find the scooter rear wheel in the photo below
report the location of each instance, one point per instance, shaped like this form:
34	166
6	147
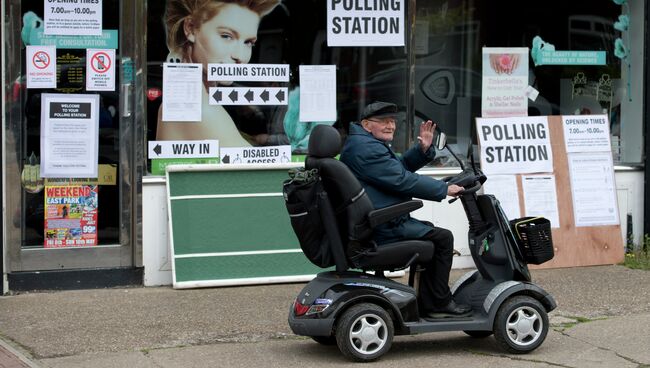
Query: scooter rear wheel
521	324
364	332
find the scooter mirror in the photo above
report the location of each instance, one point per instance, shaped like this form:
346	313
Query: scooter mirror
441	140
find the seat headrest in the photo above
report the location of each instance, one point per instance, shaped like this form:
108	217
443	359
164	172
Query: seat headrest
324	141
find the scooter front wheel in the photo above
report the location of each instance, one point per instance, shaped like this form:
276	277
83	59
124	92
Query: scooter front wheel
521	324
364	332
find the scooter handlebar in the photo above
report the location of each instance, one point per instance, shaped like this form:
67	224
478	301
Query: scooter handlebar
471	190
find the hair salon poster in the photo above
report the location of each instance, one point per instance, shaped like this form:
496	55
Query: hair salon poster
70	216
505	82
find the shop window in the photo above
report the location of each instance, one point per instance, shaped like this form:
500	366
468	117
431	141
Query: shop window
293	33
449	37
445	55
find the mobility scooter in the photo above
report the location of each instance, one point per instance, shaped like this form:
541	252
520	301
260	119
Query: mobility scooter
360	310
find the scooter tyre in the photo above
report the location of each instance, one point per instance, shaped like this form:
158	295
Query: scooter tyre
512	322
364	332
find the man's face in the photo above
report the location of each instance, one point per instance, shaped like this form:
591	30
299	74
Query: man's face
380	128
228	37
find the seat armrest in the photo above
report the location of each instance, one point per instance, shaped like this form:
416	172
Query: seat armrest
382	215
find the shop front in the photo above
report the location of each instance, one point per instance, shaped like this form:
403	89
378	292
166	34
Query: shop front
95	110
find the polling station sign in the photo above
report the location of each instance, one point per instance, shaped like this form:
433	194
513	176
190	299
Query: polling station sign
365	22
517	145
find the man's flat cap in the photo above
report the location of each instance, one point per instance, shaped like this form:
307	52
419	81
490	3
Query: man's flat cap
379	109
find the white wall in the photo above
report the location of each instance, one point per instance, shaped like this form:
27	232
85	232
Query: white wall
156	253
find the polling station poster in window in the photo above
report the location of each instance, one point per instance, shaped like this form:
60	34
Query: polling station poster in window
365	23
70	216
515	145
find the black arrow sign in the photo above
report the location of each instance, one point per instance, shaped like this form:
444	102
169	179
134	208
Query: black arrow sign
264	96
157	149
233	96
217	96
249	95
280	95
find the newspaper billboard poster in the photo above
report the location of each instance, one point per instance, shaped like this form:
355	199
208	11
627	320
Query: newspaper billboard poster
70	216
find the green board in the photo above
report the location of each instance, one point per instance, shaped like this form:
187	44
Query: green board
229	226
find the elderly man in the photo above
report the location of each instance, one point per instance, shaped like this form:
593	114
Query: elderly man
390	179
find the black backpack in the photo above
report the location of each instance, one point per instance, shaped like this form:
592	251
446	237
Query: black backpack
305	199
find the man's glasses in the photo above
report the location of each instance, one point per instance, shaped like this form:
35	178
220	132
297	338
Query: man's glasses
384	121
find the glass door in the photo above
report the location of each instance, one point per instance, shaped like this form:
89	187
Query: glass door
58	122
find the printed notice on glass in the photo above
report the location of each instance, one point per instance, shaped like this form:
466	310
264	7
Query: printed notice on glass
504	188
317	93
41	66
586	133
365	23
540	198
69	135
182	85
505	80
76	18
515	145
593	188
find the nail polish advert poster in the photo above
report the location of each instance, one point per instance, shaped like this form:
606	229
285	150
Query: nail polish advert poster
505	78
70	216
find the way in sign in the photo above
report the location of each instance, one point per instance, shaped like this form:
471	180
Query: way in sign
248	95
188	148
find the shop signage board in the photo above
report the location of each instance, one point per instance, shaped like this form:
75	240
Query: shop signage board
365	23
228	225
69	135
107	40
73	17
505	82
107	176
41	66
184	149
100	70
70	216
553	57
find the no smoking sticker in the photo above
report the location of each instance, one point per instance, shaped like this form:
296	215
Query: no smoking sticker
41	60
41	67
100	70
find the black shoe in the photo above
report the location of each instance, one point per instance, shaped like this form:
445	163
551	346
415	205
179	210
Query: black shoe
451	310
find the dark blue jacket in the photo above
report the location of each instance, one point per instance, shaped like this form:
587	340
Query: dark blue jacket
389	179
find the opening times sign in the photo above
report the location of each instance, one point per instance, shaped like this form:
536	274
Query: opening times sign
73	17
70	216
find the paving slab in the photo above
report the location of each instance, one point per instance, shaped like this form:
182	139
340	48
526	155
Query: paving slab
601	321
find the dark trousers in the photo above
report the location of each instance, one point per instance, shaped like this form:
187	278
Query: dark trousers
434	280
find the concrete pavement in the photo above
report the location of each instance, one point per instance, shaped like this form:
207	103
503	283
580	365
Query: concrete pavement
602	320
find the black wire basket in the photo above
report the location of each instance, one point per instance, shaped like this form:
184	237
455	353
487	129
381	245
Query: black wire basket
534	238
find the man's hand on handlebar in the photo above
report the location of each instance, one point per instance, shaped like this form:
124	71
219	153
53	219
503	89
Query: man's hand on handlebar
454	190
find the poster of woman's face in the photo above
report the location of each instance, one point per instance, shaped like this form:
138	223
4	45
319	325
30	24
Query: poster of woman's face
213	32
